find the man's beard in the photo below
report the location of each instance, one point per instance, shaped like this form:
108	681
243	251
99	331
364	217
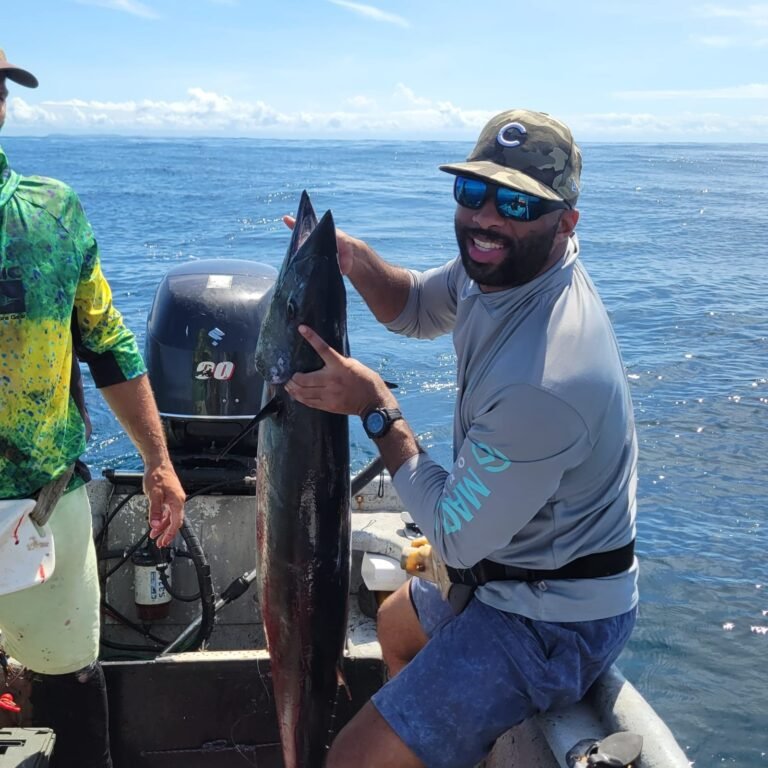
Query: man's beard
524	258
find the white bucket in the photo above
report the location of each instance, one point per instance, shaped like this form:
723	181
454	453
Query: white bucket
27	553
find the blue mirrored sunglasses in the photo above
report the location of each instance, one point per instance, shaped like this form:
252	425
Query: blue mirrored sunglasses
511	204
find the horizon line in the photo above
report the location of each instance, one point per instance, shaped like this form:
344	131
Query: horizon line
367	139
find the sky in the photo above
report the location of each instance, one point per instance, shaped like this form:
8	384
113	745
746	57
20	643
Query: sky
614	70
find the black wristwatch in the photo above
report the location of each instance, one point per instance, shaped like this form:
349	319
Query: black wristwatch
377	422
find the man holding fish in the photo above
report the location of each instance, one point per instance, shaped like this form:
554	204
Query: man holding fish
536	518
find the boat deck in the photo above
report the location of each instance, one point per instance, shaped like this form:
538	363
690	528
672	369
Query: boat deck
214	709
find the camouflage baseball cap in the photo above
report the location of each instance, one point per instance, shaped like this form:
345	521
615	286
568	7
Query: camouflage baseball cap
528	151
18	75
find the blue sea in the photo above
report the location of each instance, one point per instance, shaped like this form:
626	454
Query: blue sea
674	238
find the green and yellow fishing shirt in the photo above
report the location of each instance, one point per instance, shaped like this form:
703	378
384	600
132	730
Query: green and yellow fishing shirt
55	310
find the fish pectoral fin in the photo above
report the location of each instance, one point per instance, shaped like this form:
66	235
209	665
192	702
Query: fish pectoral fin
272	408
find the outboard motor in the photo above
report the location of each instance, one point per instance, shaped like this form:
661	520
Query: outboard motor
200	351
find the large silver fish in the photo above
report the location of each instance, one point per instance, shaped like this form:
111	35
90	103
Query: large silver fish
302	496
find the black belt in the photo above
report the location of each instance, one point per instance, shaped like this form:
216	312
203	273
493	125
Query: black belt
587	567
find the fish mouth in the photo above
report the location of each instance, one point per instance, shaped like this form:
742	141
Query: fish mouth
277	373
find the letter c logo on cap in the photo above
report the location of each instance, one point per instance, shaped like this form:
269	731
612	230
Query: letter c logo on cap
511	135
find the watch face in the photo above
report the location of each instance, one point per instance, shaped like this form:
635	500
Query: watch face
375	422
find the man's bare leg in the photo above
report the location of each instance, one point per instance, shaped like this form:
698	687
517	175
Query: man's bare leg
400	633
367	741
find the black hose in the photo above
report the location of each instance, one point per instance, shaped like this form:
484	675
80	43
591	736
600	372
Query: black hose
241	584
202	568
127	556
206	593
161	566
237	588
162	569
149	651
111	516
205	583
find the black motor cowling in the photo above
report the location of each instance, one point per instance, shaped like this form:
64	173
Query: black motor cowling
200	351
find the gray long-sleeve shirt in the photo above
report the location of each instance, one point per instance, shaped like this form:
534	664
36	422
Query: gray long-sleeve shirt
545	452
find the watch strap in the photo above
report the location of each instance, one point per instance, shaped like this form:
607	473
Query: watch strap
389	415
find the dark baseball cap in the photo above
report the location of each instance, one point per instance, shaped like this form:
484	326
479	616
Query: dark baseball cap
528	151
18	75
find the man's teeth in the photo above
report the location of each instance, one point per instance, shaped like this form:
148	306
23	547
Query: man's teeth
487	245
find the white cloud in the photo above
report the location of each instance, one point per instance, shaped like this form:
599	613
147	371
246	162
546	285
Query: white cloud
403	115
434	115
753	91
437	113
209	113
752	15
26	114
407	95
371	12
201	112
132	7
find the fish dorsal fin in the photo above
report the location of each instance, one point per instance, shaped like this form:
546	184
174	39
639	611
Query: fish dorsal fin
306	221
272	408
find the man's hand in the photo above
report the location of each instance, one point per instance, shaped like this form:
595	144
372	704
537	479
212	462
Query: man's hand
342	385
166	502
345	246
384	287
420	558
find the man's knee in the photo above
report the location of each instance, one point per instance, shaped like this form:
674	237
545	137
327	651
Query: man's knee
387	617
399	631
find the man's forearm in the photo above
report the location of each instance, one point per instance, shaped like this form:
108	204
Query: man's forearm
397	446
133	403
384	287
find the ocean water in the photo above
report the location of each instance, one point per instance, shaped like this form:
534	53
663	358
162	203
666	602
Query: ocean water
674	238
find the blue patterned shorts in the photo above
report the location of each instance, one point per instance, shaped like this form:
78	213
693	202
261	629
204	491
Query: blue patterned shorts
486	670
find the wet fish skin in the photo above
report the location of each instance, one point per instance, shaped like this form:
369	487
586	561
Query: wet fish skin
302	496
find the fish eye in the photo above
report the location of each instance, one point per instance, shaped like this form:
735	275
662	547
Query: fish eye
291	309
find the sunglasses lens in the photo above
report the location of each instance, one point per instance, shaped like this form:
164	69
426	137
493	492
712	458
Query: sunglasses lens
510	203
516	205
470	192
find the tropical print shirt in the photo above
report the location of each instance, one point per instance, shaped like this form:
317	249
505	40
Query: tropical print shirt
55	310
